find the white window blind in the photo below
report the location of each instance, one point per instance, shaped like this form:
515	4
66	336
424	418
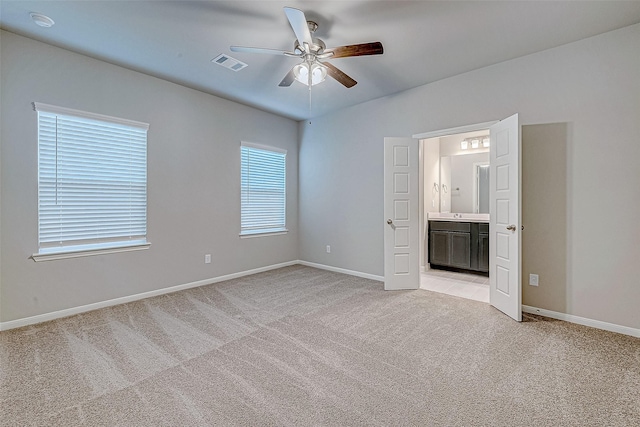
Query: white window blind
263	189
92	180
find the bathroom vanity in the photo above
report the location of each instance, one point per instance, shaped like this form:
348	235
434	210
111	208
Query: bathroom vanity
459	242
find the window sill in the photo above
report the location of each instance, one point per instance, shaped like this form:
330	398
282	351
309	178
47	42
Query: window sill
88	250
251	234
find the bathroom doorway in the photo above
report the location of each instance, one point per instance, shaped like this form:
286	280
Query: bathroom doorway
505	219
455	176
504	227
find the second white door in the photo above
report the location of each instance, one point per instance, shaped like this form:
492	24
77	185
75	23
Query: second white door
401	214
505	218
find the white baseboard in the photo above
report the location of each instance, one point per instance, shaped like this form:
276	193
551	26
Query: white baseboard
342	270
26	321
612	327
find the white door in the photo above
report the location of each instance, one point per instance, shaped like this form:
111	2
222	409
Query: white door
401	214
505	218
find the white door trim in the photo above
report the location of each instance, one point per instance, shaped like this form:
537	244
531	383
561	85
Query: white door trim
453	131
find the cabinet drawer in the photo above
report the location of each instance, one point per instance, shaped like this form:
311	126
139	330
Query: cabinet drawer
450	226
483	227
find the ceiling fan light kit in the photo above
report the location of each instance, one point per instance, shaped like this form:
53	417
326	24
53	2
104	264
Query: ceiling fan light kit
318	73
313	52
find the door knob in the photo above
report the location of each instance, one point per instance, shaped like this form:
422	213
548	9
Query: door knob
511	227
389	222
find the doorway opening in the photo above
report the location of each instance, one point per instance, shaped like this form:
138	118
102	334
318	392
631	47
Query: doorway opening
404	213
455	178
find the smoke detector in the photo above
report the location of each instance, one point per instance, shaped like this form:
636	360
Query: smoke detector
42	20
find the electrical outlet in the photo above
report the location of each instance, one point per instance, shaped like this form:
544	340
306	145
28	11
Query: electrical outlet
533	279
207	259
328	249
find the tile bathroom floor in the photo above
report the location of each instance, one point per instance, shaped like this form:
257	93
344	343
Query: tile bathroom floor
470	286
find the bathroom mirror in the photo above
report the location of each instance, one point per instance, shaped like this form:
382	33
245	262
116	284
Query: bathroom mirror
456	173
464	183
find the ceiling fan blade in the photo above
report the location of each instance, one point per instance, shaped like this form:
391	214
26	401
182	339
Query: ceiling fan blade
299	25
339	75
373	48
288	79
260	50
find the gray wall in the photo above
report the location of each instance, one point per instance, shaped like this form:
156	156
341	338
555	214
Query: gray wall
590	86
545	147
193	181
590	89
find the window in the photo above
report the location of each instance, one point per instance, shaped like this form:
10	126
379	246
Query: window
92	183
263	189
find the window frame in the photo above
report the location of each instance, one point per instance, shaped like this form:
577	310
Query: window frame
271	231
94	246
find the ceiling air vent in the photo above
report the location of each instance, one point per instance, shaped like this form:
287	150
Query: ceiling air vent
229	62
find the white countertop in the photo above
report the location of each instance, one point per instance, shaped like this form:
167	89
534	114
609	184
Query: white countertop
458	217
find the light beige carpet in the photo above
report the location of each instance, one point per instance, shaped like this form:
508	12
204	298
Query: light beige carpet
301	347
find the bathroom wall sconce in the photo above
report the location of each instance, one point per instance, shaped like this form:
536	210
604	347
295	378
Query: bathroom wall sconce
475	142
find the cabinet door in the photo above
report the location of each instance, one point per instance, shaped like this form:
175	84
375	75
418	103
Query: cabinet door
440	248
460	250
483	252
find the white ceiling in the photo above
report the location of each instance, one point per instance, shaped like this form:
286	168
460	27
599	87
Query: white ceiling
424	41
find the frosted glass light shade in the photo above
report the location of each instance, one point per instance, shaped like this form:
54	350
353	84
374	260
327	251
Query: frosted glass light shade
318	73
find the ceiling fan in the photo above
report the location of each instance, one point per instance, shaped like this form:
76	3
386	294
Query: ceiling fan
313	69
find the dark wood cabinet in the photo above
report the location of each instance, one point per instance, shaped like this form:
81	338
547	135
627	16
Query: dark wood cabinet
459	245
483	252
460	250
440	247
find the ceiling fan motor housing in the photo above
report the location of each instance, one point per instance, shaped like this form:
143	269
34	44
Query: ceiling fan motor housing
312	26
316	48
